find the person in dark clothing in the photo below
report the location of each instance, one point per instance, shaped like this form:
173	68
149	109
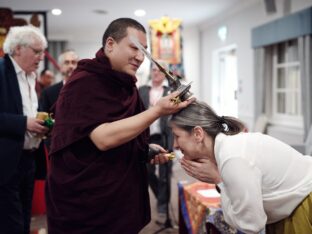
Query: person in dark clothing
20	131
160	133
45	80
98	180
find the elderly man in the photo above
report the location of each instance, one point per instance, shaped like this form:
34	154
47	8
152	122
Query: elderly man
68	62
19	129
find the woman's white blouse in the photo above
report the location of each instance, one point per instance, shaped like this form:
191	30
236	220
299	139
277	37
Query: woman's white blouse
264	179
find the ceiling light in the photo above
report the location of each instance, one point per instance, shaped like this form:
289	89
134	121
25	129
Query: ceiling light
100	12
56	11
139	12
222	33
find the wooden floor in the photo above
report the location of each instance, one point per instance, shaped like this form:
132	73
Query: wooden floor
39	225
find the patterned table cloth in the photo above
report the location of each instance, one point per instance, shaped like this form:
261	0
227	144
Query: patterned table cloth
197	200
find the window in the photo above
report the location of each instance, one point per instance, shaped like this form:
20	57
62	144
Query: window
286	108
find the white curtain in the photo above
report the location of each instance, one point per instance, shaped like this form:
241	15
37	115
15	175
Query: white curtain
305	49
263	62
55	48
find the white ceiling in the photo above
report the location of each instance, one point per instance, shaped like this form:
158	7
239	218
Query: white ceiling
78	20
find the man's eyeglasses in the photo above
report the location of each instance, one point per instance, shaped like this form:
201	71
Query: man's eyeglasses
36	51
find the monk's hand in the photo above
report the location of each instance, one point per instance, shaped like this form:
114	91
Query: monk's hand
202	169
167	106
161	157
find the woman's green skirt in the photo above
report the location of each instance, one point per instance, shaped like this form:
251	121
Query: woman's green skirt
299	222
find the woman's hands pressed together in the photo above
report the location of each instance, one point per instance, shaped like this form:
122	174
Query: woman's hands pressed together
202	169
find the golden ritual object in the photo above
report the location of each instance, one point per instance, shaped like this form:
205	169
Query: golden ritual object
171	156
183	95
176	100
47	118
42	115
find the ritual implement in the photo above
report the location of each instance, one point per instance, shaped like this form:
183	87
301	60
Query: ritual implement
173	81
152	152
47	118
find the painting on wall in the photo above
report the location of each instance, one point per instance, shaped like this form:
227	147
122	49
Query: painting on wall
9	18
166	43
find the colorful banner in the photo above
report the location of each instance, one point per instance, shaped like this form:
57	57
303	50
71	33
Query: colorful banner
166	43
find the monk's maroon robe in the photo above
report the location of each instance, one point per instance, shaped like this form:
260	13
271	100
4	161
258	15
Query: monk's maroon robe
88	190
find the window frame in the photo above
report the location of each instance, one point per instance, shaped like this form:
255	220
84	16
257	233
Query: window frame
277	118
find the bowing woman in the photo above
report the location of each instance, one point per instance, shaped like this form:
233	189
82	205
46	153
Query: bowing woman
264	183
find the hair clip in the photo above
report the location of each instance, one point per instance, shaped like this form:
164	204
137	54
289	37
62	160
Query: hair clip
225	127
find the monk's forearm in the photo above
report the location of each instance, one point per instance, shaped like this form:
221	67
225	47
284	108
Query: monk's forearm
110	135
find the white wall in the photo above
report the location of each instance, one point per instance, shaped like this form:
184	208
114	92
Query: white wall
191	56
85	49
239	23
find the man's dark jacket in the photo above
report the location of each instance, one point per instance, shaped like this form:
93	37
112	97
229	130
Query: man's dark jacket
166	133
49	96
12	120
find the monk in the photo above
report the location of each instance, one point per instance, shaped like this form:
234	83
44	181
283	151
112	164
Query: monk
98	180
